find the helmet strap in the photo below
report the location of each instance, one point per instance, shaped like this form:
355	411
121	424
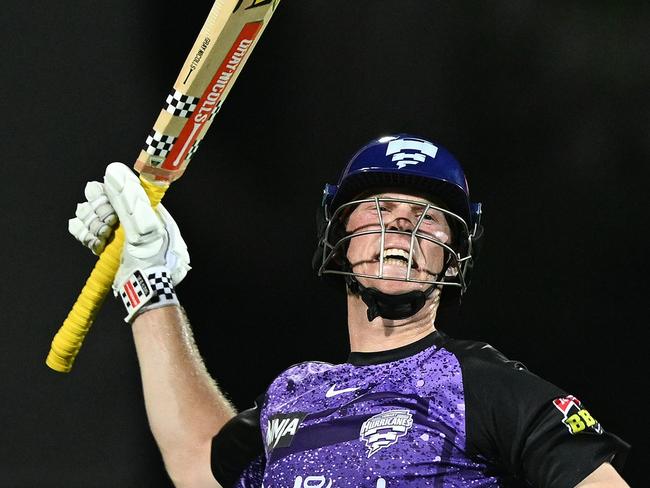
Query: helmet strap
392	307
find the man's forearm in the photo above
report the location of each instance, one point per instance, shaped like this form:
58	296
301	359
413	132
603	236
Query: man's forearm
184	405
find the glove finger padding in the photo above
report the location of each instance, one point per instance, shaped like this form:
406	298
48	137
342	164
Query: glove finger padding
92	221
98	200
95	219
80	231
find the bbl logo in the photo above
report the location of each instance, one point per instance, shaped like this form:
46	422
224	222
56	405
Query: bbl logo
576	418
385	429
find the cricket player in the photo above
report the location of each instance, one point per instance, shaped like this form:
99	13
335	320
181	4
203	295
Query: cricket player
411	407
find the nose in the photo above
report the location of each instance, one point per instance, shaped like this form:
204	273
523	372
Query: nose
402	218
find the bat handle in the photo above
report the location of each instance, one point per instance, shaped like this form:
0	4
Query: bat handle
71	334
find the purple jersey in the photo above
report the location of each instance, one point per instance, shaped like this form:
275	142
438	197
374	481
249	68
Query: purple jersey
439	412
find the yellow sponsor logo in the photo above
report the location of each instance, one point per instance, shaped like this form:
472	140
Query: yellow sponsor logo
579	421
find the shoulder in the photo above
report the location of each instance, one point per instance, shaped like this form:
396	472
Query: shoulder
484	367
478	354
491	380
305	369
297	379
301	372
239	443
523	423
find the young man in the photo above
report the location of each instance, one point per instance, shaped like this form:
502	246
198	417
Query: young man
411	407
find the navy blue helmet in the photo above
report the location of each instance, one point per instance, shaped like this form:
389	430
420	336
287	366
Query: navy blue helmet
411	164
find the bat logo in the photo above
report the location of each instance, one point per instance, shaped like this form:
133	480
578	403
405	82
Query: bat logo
209	102
197	57
255	3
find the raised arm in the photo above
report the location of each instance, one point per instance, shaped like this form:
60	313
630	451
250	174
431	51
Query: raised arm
184	405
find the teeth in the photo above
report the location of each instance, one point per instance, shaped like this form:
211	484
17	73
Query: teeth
396	257
389	253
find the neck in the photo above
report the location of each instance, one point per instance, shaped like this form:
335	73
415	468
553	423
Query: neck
383	334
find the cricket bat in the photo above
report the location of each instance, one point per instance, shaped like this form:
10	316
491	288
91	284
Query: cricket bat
218	55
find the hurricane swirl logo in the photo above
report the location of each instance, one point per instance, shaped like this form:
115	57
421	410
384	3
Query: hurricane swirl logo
385	429
409	151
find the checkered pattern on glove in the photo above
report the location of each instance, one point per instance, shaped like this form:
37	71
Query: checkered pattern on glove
146	290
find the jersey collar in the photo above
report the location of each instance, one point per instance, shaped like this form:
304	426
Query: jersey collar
379	357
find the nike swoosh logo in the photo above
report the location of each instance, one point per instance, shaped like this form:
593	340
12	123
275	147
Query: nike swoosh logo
333	391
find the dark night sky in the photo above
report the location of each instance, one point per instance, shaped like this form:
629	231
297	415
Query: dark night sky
547	106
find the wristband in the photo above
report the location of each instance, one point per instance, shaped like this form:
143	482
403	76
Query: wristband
145	290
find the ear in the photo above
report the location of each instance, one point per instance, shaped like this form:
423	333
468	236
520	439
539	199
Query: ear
451	271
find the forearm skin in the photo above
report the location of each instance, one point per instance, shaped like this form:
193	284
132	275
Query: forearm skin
184	405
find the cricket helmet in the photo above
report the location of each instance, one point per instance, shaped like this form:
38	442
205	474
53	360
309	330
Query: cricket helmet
414	165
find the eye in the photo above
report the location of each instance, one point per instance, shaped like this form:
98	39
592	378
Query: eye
373	208
429	217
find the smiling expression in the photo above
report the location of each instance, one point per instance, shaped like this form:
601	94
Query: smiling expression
367	256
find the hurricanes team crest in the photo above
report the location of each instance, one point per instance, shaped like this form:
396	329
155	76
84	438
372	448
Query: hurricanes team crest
410	151
385	429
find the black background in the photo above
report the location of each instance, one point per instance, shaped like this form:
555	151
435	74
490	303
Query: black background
545	103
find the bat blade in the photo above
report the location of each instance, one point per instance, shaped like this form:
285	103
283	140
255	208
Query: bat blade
224	44
215	61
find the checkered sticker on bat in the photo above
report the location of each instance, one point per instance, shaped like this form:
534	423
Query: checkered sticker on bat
180	105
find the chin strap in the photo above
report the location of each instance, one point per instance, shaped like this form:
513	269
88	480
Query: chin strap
393	307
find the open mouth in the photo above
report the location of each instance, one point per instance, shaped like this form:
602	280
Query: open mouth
398	257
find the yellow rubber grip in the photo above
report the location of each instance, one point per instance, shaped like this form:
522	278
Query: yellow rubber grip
71	334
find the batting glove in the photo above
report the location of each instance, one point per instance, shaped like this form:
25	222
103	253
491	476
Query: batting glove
95	219
155	257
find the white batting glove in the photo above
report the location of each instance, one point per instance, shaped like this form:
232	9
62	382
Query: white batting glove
95	219
155	257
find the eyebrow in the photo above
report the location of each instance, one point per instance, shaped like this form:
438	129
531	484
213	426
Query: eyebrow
415	204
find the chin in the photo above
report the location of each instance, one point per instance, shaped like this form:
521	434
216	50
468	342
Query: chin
391	287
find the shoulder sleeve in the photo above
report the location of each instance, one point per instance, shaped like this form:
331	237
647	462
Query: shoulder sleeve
237	455
526	426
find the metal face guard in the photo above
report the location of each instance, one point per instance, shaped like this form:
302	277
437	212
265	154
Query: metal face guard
336	240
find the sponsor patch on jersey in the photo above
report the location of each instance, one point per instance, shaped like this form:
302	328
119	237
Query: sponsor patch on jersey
575	417
385	429
312	482
281	429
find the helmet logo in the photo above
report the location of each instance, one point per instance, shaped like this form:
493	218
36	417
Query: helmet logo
418	150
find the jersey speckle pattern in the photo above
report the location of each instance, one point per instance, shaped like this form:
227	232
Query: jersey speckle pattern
399	423
438	412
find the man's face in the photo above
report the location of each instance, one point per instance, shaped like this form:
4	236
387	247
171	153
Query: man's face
365	252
